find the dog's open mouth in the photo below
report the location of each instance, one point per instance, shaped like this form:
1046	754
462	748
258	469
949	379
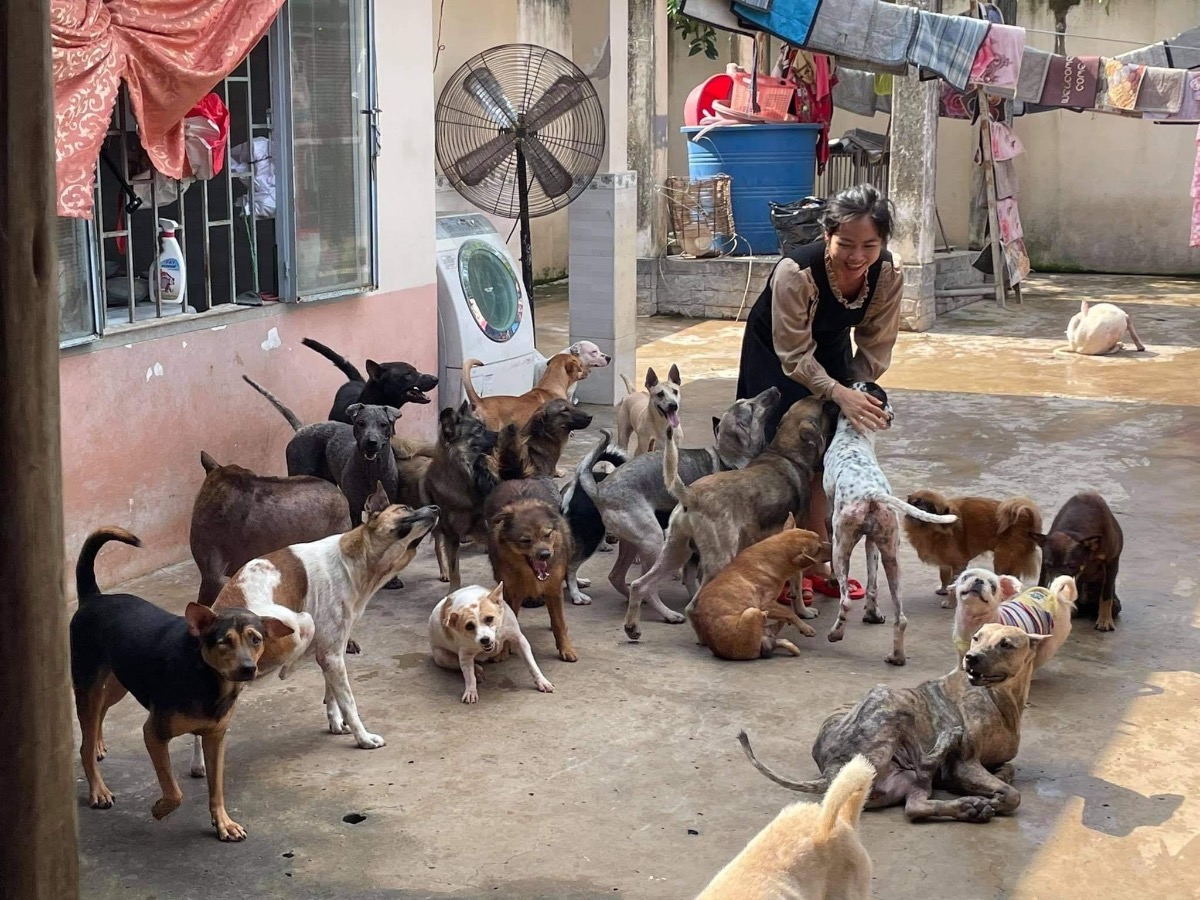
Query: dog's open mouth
370	457
541	568
672	418
977	678
416	395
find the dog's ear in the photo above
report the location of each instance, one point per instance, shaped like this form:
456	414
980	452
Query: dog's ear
1084	306
502	519
673	375
651	378
790	522
452	620
374	369
353	410
497	594
716	426
376	503
199	618
577	369
392	413
1039	539
1009	587
277	628
208	462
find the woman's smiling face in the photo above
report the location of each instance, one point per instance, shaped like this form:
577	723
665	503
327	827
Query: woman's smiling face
856	246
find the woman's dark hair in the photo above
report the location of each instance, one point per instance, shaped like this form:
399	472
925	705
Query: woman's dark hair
857	202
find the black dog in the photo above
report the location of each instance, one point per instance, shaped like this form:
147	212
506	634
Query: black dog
1085	541
388	384
187	671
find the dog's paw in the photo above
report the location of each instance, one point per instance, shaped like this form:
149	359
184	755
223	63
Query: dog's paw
444	579
942	592
229	830
532	603
874	617
835	636
807	612
633	631
198	771
975	809
352	646
337	725
806	630
371	741
544	686
581	600
567	654
164	806
470	696
1106	626
394	585
101	798
675	618
896	659
605	547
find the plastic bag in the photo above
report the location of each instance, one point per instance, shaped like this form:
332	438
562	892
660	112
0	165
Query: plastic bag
205	135
797	223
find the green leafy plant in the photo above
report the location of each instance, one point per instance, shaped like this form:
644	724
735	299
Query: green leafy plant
700	37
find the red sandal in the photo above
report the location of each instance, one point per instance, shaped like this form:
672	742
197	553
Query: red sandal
806	591
829	588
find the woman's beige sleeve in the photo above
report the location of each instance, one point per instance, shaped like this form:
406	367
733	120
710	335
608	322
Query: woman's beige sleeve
793	302
875	336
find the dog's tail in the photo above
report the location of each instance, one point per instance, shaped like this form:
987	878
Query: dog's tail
602	452
85	568
816	786
671	478
903	506
275	402
1018	512
629	388
348	368
1063	594
468	386
208	462
846	796
512	455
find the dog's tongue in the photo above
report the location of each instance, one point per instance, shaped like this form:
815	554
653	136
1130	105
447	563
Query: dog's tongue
541	568
673	419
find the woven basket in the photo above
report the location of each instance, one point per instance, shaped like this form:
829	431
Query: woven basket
774	96
701	215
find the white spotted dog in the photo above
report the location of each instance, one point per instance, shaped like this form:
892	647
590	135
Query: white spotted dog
589	354
862	507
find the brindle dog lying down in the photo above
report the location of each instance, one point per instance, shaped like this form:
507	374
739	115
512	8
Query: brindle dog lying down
956	733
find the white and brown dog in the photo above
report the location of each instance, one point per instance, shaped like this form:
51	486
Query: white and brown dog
862	507
985	597
589	354
475	622
647	414
1096	330
320	590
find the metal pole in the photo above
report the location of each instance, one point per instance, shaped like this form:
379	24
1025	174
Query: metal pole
526	238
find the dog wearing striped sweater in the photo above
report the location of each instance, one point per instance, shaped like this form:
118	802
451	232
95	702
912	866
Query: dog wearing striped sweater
985	597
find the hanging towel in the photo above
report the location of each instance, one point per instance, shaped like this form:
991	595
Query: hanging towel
1162	90
1195	242
1189	106
715	13
997	65
1005	143
875	35
1071	81
1010	220
791	21
947	45
1183	50
1122	82
883	85
1032	80
1016	257
854	91
1153	55
1006	179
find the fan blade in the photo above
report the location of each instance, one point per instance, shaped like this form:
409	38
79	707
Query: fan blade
477	165
565	94
484	87
554	179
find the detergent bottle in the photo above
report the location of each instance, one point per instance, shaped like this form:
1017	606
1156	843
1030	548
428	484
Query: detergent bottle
172	270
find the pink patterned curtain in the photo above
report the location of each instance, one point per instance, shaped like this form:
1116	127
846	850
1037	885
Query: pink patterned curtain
170	53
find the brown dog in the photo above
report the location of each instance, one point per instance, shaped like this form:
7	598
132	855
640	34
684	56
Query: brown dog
546	433
562	371
239	516
529	545
737	613
1085	541
1005	527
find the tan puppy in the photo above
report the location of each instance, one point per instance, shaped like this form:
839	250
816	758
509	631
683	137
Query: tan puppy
809	852
737	613
646	415
986	598
474	622
1004	527
562	372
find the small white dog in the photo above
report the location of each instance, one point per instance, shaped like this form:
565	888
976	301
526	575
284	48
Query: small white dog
809	852
984	597
646	415
589	354
862	507
1097	330
474	622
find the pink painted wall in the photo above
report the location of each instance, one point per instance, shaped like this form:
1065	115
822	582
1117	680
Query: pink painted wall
135	417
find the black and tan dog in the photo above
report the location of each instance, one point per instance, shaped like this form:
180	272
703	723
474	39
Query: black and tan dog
187	671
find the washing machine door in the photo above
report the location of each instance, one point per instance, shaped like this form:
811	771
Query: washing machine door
493	292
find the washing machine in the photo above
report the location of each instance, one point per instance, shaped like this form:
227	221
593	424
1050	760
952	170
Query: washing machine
483	311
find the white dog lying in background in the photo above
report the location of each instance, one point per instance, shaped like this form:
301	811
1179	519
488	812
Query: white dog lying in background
1097	330
474	622
985	597
589	354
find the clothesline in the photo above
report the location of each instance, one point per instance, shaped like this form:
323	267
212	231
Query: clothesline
1096	37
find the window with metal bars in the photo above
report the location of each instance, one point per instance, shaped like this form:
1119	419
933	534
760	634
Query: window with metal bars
291	215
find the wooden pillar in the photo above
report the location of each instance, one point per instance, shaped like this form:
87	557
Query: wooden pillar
38	855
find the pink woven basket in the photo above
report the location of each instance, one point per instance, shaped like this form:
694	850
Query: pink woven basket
774	96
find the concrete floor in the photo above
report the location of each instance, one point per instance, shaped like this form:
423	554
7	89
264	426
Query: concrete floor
628	778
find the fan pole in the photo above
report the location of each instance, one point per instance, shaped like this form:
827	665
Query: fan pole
526	238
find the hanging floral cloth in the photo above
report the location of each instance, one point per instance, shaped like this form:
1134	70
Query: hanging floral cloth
170	53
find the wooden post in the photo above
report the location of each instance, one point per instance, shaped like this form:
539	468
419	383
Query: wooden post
38	854
989	181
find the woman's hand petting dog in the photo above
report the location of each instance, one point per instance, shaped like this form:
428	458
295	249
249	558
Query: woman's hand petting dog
863	411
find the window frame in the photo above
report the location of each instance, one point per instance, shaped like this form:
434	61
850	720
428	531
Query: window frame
283	134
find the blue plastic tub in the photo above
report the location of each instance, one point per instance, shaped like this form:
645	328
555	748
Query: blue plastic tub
765	163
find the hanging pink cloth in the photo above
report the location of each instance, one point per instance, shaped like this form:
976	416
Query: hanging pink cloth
998	63
170	54
1195	242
